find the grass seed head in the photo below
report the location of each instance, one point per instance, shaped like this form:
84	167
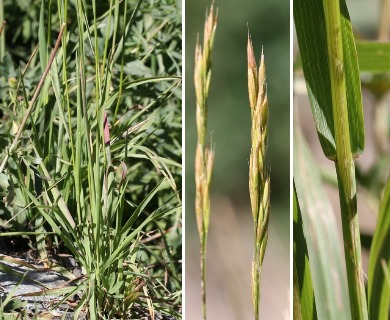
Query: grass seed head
204	157
259	180
202	75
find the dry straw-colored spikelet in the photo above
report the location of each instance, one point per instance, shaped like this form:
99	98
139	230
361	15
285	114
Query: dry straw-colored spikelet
259	173
204	158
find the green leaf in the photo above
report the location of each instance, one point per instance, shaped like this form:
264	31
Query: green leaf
141	81
7	184
42	38
320	230
116	287
378	286
125	235
310	27
14	304
304	302
4	181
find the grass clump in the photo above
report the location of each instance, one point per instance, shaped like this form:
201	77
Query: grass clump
204	157
93	153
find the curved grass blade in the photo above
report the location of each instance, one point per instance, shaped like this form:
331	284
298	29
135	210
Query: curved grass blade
320	230
304	301
378	286
124	234
141	81
14	271
121	249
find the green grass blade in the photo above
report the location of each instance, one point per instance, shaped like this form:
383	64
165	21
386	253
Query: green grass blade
141	81
320	230
352	81
2	37
120	250
55	81
57	195
378	286
50	292
58	223
11	270
42	38
24	233
309	18
125	230
304	301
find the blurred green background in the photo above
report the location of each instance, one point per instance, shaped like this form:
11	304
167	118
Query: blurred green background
231	231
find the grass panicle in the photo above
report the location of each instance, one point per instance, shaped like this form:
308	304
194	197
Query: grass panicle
259	173
204	158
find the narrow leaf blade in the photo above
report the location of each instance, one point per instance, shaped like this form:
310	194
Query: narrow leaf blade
304	302
320	230
379	263
310	27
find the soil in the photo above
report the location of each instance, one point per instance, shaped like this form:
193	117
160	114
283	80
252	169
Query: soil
26	306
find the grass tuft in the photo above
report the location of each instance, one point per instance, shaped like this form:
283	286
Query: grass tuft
91	150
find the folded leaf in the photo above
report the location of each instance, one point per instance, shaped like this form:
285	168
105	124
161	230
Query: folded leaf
310	27
320	229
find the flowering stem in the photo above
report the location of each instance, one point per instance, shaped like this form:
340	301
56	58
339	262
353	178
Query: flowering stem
204	158
259	178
